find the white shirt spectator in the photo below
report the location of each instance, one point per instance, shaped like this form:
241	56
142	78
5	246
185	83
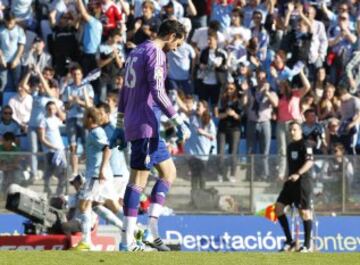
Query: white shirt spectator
21	106
200	38
76	111
51	126
319	42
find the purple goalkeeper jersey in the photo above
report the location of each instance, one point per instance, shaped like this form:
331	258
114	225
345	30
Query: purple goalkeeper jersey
143	96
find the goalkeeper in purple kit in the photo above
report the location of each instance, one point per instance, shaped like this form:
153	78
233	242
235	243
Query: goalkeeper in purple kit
142	100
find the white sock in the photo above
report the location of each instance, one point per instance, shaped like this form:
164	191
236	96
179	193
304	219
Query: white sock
120	214
127	235
86	226
154	213
108	215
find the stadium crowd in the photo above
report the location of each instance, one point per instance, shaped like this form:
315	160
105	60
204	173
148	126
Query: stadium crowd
245	71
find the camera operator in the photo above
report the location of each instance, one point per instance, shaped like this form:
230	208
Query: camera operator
73	225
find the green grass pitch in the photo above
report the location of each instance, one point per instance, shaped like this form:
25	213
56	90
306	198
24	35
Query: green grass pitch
173	258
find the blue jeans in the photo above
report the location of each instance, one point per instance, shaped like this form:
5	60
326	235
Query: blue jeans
10	78
34	148
259	133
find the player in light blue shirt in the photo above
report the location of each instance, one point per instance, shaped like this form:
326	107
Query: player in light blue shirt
98	173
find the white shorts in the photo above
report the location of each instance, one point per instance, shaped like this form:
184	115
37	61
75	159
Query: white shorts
95	191
120	184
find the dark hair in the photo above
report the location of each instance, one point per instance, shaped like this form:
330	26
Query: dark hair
342	90
113	94
294	122
205	117
311	110
49	103
212	34
115	32
339	146
75	67
49	68
9	136
8	15
172	27
214	25
288	90
257	12
225	98
6	107
104	106
238	12
52	83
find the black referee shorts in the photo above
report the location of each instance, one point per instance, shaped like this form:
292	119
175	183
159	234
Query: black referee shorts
298	192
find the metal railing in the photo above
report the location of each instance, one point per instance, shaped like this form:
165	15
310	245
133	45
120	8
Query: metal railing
215	184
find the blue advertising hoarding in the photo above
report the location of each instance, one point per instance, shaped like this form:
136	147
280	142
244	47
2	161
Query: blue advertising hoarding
239	233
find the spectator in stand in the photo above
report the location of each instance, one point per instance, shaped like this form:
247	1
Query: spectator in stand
53	146
77	97
7	124
333	172
12	41
199	145
319	42
200	19
329	104
63	45
341	41
319	84
199	39
41	94
278	70
21	105
23	11
260	102
9	162
332	135
250	8
213	63
221	11
37	56
181	64
230	113
145	27
259	32
307	102
91	38
297	41
352	73
288	111
112	17
314	133
236	31
350	119
112	101
342	7
111	60
172	10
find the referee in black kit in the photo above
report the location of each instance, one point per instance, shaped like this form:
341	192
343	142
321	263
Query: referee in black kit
298	188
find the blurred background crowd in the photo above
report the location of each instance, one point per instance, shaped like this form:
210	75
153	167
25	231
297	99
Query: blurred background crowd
245	70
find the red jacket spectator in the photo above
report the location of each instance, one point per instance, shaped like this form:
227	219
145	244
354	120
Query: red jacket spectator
111	16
